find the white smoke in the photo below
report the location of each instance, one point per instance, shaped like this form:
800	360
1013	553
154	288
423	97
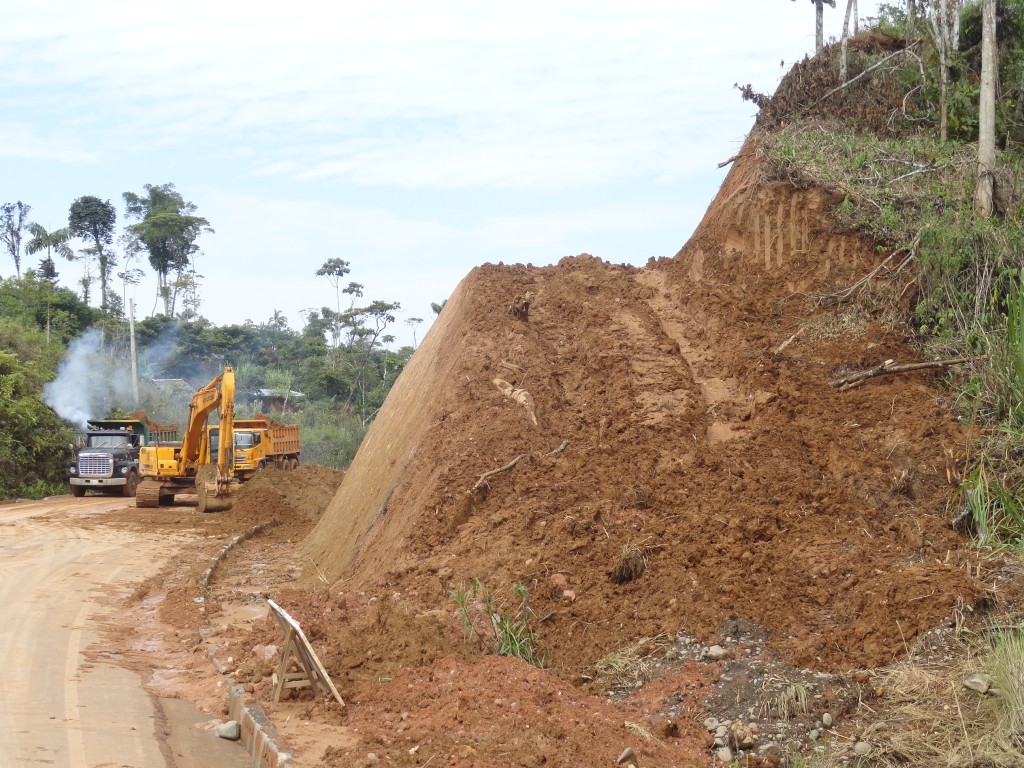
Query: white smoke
93	380
89	381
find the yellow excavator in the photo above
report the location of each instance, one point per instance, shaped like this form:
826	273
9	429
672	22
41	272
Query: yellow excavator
188	467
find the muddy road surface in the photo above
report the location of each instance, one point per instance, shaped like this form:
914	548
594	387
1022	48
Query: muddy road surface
65	701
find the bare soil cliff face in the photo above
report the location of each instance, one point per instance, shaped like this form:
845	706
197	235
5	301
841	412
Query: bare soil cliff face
667	420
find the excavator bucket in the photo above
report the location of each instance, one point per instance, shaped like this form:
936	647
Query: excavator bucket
217	495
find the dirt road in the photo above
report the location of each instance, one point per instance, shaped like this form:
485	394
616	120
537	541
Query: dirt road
64	701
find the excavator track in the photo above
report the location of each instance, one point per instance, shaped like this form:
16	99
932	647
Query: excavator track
148	494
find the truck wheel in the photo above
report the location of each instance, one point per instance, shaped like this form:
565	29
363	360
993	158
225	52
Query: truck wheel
78	491
128	489
261	465
294	464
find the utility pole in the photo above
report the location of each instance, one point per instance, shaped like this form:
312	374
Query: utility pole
135	364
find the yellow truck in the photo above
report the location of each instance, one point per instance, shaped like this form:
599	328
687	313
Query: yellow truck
261	442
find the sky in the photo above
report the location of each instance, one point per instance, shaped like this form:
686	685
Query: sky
415	140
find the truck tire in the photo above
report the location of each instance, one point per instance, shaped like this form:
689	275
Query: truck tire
131	484
294	464
261	465
78	491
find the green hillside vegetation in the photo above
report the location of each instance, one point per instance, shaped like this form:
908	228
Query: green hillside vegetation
952	276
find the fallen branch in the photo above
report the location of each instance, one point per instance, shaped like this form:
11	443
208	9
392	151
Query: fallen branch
732	159
483	478
559	449
787	342
888	367
872	68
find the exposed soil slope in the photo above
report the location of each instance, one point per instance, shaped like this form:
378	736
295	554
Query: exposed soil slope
753	488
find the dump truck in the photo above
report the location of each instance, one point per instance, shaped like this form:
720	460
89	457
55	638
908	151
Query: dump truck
189	466
107	458
261	442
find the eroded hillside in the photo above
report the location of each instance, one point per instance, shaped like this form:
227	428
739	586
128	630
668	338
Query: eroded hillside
754	489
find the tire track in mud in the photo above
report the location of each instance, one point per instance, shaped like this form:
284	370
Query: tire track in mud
719	396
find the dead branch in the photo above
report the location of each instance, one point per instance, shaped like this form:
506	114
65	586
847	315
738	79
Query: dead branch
872	68
787	342
559	449
889	367
849	290
483	478
733	159
926	169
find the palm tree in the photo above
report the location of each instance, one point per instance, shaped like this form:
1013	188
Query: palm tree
52	242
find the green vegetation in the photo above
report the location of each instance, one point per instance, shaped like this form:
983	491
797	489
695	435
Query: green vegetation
511	630
877	146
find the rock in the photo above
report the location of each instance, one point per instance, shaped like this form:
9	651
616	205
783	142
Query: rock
977	682
569	594
711	723
559	580
230	730
740	736
717	653
826	720
813	735
719	741
371	757
721	731
628	755
265	652
861	748
725	755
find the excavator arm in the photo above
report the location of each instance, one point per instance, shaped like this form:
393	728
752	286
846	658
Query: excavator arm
204	402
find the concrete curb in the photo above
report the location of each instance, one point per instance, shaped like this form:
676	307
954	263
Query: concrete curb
261	741
235	541
259	737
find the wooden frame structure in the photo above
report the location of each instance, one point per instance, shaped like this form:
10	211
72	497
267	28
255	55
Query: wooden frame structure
311	672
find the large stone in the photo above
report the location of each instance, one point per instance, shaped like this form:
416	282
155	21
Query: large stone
978	682
861	748
725	755
230	730
717	653
740	736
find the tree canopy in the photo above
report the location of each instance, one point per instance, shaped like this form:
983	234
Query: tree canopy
167	229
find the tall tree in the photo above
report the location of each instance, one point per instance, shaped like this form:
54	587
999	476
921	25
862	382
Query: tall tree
12	225
93	220
819	22
844	46
944	28
985	185
167	229
55	242
335	269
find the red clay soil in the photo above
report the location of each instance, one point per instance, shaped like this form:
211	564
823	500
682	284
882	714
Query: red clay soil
754	489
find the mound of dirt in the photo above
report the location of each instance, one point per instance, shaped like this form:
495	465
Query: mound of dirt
308	489
671	421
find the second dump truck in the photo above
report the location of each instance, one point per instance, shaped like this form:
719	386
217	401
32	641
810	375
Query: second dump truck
261	442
